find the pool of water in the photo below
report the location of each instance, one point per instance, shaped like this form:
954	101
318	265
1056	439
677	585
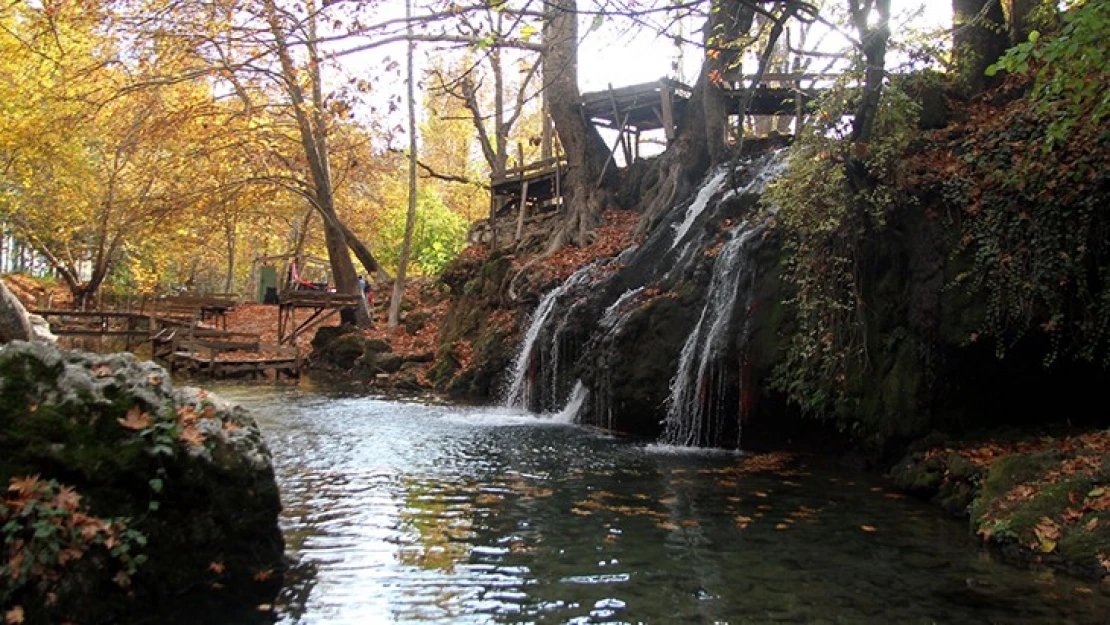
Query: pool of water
407	513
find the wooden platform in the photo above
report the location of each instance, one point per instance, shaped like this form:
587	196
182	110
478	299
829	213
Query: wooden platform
134	327
194	307
222	359
656	105
322	304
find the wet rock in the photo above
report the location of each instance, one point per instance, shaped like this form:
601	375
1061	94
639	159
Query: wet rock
179	480
14	323
415	322
378	346
389	363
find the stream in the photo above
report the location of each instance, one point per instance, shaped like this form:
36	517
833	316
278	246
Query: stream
407	513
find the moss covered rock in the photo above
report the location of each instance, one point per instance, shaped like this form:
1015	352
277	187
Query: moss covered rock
136	490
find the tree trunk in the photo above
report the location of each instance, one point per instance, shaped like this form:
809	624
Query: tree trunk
363	254
229	278
701	140
313	133
1019	18
584	198
979	38
410	217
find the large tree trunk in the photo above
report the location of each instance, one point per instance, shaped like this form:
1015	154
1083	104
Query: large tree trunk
583	195
728	21
701	140
313	133
979	38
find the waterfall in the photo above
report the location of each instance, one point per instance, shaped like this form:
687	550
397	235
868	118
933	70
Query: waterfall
697	207
696	388
519	394
578	396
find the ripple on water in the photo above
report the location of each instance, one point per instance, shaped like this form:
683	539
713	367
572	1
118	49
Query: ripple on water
401	513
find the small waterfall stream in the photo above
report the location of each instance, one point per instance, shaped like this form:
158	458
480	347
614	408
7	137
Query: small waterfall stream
520	387
696	389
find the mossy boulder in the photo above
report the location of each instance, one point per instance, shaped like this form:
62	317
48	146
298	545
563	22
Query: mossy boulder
136	490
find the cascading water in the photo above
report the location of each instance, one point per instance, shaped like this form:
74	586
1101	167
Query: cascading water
578	397
698	206
519	394
696	388
614	335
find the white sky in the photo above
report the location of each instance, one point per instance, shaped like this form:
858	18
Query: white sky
608	56
612	55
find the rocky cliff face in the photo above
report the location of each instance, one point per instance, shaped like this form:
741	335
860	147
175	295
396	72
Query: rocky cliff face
125	491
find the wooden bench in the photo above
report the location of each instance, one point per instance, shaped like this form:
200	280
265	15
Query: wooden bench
194	308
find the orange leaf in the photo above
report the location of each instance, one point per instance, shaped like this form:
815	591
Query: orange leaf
25	485
262	576
14	616
136	420
67	499
869	528
192	436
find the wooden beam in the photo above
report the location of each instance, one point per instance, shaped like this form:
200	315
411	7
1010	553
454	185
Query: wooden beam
523	208
668	113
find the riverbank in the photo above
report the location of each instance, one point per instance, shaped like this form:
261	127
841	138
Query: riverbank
1037	499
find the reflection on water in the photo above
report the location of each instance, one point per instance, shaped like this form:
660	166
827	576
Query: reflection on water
402	513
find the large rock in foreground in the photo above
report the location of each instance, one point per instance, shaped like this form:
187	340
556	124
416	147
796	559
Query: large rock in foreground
123	492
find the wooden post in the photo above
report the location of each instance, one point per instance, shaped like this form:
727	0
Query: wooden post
668	112
621	139
523	207
558	181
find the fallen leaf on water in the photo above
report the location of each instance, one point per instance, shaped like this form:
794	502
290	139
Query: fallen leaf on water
689	523
782	526
580	512
1083	590
869	528
667	525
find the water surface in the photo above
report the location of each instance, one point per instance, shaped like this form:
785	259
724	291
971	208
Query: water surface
406	513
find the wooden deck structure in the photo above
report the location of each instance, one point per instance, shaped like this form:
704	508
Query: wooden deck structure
533	191
134	327
193	307
181	342
322	304
232	356
635	109
525	197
